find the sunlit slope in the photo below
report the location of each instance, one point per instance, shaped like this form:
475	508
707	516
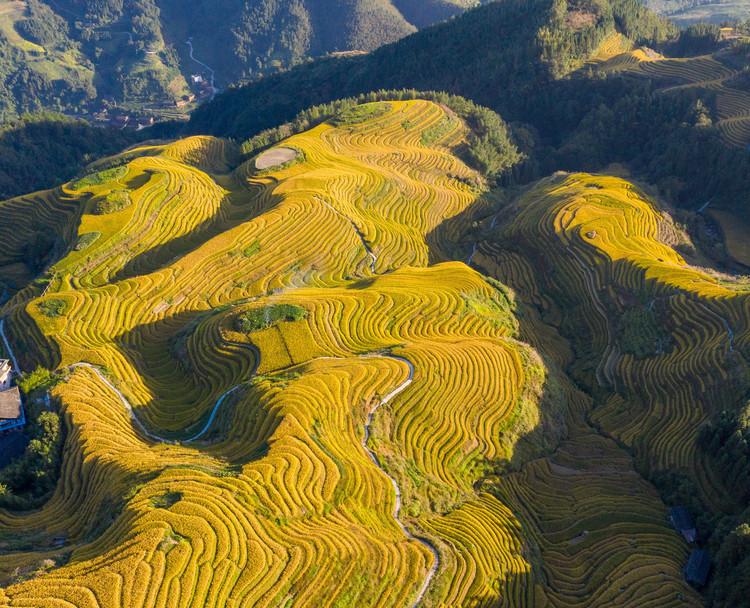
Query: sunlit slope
667	341
365	197
279	501
308	413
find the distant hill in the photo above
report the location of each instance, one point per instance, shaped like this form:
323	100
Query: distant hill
686	12
69	55
586	84
494	54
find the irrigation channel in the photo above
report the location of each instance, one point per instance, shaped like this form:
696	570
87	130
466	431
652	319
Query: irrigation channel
219	402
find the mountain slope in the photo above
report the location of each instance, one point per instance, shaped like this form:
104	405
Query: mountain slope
302	330
68	55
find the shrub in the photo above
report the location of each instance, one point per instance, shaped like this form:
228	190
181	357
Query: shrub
117	200
40	379
262	318
54	307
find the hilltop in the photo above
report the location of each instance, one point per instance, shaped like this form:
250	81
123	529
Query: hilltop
585	82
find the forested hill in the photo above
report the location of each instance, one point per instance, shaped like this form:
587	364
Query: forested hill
68	55
584	82
494	54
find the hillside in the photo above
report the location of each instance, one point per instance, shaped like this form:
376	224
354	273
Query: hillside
233	368
687	12
240	412
83	56
585	92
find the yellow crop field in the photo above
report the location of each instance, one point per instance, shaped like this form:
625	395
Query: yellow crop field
280	391
602	246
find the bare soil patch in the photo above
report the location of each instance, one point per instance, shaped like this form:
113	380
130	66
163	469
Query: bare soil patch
275	157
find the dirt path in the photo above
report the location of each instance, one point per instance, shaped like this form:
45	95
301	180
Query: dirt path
397	508
8	349
368	250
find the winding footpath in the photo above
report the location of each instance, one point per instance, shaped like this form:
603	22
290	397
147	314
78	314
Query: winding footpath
397	507
360	235
217	406
8	349
211	71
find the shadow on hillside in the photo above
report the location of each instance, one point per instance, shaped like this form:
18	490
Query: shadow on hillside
30	346
234	209
159	351
453	240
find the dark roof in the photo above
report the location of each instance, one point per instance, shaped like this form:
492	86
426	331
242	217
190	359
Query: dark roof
10	404
698	567
681	518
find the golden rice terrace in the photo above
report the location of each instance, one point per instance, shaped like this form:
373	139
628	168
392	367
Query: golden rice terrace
285	384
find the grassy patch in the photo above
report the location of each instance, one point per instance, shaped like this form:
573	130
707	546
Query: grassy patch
86	240
115	201
437	132
54	307
262	318
165	501
100	177
361	113
252	249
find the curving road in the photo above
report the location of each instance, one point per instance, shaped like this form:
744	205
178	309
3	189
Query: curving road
397	507
217	406
211	71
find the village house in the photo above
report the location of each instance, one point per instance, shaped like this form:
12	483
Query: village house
120	121
698	567
6	374
683	523
11	409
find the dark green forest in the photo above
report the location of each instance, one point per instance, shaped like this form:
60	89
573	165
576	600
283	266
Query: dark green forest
41	151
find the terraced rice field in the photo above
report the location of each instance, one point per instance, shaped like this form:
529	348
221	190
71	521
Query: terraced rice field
599	241
711	74
393	429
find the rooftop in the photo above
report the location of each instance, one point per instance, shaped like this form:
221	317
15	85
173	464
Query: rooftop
698	566
10	404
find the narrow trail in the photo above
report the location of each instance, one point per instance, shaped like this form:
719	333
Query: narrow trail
470	259
360	235
215	410
724	322
397	508
211	71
